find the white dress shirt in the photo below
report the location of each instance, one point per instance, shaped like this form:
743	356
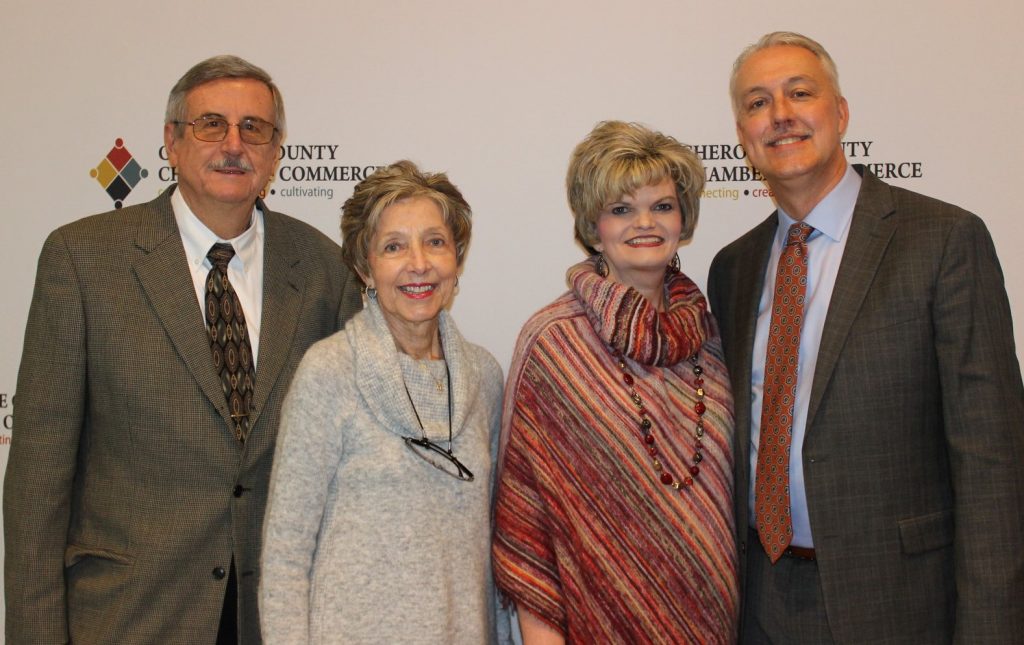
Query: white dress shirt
245	271
831	222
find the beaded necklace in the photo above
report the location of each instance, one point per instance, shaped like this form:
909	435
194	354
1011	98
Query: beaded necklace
647	428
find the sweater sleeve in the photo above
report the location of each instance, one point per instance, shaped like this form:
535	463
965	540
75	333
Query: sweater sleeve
309	448
491	396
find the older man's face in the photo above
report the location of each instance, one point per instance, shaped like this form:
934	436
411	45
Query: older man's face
229	173
789	119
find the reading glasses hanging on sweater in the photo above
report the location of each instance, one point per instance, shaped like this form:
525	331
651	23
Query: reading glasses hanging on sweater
438	457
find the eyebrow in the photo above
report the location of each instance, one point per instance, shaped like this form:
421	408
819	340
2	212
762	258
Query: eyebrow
405	233
434	230
244	118
800	78
673	195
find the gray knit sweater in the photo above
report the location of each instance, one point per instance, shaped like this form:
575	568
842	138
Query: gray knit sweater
364	541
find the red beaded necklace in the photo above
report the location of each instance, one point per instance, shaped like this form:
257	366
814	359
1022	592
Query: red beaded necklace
646	427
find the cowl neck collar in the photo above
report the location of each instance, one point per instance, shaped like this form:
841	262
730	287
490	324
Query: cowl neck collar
634	328
379	374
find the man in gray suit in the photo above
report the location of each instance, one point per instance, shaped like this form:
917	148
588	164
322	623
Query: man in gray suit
134	494
899	517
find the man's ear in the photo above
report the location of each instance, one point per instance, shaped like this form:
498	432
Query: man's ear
169	141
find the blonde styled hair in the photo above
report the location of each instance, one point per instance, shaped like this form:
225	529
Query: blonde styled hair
401	180
619	158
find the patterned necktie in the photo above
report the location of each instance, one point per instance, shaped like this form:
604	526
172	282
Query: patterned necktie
229	339
771	495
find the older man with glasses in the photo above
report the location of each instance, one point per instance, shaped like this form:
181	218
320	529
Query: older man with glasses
148	398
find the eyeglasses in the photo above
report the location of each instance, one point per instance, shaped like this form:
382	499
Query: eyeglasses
438	457
214	128
429	451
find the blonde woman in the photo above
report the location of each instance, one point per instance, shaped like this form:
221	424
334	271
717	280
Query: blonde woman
614	518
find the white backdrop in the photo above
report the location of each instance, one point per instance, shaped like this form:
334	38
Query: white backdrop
497	94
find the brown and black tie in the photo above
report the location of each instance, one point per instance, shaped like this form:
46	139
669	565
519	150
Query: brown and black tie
229	339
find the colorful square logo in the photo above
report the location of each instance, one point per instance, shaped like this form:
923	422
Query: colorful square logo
118	173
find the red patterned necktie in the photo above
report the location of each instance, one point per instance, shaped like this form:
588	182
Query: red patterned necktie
229	339
771	496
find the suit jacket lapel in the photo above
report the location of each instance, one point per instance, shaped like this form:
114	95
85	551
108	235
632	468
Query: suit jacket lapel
751	265
163	272
870	232
283	287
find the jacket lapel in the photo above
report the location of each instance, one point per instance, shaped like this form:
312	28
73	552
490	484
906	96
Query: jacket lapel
750	269
870	232
163	273
752	264
283	288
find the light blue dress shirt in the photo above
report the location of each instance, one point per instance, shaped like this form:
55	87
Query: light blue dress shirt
831	222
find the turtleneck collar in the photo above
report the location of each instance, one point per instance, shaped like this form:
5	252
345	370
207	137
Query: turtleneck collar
634	328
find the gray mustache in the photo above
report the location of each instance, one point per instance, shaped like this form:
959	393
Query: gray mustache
235	163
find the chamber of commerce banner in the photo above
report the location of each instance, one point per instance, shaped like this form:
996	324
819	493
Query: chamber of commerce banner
497	94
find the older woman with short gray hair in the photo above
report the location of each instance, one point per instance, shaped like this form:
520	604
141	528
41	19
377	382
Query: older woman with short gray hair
377	528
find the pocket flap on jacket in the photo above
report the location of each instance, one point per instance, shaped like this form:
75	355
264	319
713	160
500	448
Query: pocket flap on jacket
74	554
926	532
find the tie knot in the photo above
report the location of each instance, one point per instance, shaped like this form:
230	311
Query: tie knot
798	234
220	254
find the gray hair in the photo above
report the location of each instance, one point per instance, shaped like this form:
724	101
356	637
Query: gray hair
212	69
776	39
401	180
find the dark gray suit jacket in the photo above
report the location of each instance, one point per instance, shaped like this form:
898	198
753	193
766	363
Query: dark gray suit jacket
914	450
126	493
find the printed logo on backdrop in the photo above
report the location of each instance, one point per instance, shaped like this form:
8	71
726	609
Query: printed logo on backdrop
728	176
310	171
8	418
118	173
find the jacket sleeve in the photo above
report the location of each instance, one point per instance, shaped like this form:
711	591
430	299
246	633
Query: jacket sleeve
983	412
50	418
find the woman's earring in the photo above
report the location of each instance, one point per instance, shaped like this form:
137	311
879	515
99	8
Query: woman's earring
673	266
371	292
601	266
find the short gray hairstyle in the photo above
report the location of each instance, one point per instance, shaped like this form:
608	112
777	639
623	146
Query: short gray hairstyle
776	39
212	69
401	180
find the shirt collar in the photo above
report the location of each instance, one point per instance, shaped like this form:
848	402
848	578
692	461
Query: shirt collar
197	238
833	214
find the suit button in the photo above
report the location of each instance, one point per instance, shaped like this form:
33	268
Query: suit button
219	573
239	489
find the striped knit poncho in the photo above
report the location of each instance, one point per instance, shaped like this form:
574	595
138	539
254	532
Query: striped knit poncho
587	536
